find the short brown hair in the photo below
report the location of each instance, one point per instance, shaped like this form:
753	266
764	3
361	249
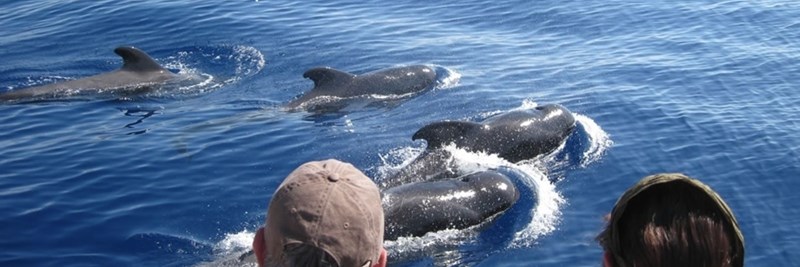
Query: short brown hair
672	220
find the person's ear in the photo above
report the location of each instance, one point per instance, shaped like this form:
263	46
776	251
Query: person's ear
260	246
607	259
381	259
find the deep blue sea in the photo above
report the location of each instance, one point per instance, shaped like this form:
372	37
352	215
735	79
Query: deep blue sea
182	177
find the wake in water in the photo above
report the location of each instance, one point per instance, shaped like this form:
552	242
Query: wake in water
212	68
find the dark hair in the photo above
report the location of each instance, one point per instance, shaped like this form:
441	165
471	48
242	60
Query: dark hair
307	255
672	224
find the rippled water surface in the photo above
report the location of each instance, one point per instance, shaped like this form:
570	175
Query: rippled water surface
182	176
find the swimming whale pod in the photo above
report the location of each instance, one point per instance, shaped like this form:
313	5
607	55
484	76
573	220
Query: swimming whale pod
139	72
330	82
417	208
429	194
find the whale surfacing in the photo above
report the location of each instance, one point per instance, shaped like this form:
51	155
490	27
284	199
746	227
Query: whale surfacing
333	83
418	208
514	136
139	72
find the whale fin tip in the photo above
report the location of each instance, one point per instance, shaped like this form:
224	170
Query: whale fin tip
136	60
327	75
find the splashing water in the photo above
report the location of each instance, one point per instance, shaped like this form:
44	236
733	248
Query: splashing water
446	78
546	213
599	140
240	241
230	249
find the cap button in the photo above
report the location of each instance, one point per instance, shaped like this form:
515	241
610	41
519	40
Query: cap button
333	177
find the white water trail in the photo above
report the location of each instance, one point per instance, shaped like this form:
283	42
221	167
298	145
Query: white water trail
599	140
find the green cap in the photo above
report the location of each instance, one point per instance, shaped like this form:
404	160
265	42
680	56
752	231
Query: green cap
659	179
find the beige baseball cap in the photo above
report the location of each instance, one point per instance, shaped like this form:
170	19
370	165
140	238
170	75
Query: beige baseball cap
659	179
330	205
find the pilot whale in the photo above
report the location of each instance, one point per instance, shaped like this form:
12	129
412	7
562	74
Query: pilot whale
514	136
331	82
418	208
139	72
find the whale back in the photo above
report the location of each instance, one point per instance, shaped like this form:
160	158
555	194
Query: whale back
418	208
525	134
137	60
438	134
551	121
398	80
515	135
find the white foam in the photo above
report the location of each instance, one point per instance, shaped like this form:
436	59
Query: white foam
599	140
229	249
349	126
450	79
236	242
249	60
526	105
246	62
396	158
546	214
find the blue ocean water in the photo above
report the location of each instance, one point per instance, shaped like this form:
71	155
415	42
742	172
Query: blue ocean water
183	177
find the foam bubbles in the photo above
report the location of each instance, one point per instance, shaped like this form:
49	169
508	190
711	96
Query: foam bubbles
546	213
236	242
204	69
599	140
229	249
446	78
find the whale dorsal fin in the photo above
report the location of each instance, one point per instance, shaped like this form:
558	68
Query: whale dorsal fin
326	75
136	60
438	134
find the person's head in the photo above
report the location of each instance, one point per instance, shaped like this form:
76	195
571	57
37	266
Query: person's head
672	220
326	213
